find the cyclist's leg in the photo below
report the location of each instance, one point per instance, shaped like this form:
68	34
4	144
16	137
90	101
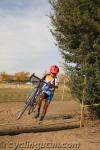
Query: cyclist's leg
38	106
45	107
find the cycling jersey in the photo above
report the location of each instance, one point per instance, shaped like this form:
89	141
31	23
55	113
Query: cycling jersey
49	91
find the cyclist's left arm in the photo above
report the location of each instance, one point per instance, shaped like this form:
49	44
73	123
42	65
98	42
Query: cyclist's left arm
54	85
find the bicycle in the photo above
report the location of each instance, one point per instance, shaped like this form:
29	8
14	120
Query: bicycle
30	101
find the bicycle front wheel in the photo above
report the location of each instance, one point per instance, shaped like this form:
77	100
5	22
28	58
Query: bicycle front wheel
22	112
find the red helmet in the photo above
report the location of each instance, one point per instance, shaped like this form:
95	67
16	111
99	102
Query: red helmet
54	69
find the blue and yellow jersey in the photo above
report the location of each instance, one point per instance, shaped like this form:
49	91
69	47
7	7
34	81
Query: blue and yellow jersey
51	80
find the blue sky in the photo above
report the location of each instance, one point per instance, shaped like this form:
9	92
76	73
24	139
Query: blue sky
26	43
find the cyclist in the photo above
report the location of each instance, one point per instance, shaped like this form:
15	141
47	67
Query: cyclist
47	92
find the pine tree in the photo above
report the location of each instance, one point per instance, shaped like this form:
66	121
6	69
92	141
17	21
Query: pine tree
75	27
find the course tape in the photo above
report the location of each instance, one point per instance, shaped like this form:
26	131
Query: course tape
89	105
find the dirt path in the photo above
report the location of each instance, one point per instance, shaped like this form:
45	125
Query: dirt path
87	138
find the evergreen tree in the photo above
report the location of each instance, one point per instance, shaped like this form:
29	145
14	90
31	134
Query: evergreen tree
76	28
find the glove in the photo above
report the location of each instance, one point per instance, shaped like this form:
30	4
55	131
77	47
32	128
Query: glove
51	85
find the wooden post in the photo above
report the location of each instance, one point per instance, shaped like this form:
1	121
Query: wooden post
63	90
82	115
82	105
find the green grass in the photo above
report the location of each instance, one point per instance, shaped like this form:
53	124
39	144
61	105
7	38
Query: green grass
60	95
9	94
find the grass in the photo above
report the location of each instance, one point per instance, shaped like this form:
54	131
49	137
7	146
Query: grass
12	93
9	94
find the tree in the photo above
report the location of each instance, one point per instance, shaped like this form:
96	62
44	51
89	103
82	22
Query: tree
21	76
4	76
75	27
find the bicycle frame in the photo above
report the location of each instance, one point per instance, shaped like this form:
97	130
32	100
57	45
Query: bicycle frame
31	99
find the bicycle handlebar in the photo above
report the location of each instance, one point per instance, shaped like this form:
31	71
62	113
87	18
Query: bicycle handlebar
41	80
33	75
